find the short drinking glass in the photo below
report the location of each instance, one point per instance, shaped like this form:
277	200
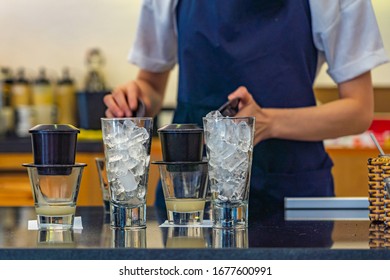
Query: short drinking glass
55	194
184	185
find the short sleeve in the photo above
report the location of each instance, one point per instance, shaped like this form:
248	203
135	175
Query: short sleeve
155	45
347	36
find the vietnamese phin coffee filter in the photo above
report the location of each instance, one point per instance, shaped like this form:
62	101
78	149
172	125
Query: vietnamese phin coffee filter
54	144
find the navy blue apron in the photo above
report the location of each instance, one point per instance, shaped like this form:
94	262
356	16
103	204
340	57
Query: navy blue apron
267	46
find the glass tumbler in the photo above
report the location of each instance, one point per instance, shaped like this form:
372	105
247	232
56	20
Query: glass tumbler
55	194
184	185
229	148
127	143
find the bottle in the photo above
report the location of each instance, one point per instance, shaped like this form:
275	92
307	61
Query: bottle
90	101
43	99
25	116
65	99
94	81
2	97
6	85
3	127
42	91
7	112
21	90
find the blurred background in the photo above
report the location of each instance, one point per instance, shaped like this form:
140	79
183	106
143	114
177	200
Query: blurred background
46	46
55	34
51	36
86	42
58	34
68	54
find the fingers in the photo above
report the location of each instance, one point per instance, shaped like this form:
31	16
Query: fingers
113	109
121	98
244	95
122	101
109	114
132	92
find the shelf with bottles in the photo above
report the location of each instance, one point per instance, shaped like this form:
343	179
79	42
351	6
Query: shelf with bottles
29	98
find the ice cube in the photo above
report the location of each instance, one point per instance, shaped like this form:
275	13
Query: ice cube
228	188
231	133
113	155
219	131
138	135
130	163
128	182
129	124
139	169
214	115
121	169
222	198
245	139
137	151
117	189
234	160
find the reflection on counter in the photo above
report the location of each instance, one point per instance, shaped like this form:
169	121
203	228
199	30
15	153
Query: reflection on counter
379	236
128	238
230	238
187	237
266	230
56	238
204	237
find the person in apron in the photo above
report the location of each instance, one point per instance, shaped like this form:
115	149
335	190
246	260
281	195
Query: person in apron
263	52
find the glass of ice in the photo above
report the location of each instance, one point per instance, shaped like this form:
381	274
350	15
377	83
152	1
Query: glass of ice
127	143
229	148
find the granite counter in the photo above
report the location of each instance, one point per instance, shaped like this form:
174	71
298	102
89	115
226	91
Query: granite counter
270	235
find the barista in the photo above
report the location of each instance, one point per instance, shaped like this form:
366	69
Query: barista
267	53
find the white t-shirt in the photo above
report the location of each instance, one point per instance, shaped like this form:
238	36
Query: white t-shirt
345	32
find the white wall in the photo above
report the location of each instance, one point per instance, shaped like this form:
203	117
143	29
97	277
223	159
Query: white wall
54	34
51	33
58	33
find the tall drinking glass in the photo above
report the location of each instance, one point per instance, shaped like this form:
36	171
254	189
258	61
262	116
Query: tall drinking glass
127	143
229	147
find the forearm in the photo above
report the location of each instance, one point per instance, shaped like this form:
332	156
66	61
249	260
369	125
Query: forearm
351	114
334	119
152	90
151	97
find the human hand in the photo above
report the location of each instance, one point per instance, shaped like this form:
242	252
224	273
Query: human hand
123	100
248	107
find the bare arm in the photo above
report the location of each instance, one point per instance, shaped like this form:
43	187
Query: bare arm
351	114
148	86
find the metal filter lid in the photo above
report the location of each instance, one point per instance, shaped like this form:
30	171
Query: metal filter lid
54	128
180	128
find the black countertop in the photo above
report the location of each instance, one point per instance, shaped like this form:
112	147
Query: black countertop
270	235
